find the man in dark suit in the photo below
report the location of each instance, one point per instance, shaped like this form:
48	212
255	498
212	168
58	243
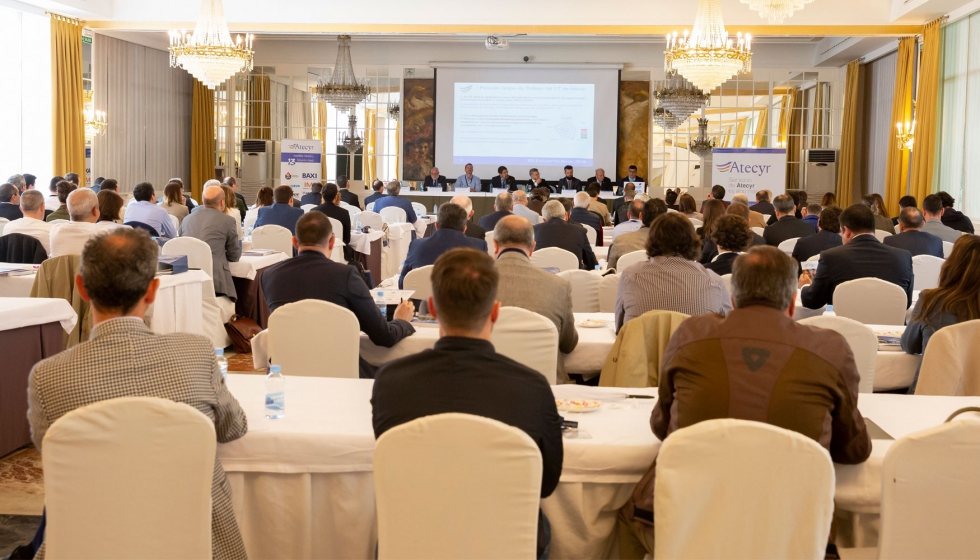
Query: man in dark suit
537	197
861	256
536	181
605	183
315	196
569	182
503	180
378	186
472	229
787	225
827	238
912	238
717	193
503	205
954	218
450	225
331	208
762	204
631	177
345	193
555	231
281	213
463	373
582	215
312	275
621	206
434	179
10	202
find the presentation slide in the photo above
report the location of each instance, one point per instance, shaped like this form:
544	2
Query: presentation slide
524	124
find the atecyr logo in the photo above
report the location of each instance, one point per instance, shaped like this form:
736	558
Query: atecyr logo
465	89
725	167
299	148
744	169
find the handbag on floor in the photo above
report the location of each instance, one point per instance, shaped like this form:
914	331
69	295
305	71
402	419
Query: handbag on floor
241	330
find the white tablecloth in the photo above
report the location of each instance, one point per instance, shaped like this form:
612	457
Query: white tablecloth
247	266
361	242
19	312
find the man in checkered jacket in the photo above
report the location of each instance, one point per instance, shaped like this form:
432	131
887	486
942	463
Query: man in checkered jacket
124	358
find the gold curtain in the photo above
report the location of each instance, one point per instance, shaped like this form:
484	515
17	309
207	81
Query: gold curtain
762	129
794	139
897	172
398	149
927	111
848	137
740	131
259	115
202	138
370	145
817	128
68	120
784	118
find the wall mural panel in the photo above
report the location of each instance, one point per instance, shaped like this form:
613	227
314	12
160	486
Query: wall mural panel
420	132
634	128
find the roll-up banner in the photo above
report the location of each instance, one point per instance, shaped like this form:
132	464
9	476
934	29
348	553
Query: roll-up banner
749	170
300	165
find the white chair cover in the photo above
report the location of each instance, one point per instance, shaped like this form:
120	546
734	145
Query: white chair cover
3	224
371	219
337	336
585	290
949	366
882	234
925	271
337	255
457	486
862	340
420	280
528	338
129	478
249	223
629	259
353	211
308	207
337	228
765	217
393	215
553	257
419	208
947	249
198	252
788	245
369	207
173	220
696	223
727	279
930	499
273	237
608	288
871	301
669	210
489	239
758	230
345	205
738	489
591	234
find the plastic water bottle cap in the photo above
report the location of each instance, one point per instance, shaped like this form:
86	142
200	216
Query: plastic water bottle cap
219	351
275	369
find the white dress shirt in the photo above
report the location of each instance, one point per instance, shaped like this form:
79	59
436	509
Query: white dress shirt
69	238
51	202
152	215
626	227
38	229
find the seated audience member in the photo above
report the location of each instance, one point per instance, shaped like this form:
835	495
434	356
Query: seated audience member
32	223
464	373
110	206
536	181
314	197
712	210
468	180
124	358
912	238
688	208
70	238
262	198
73	178
393	200
762	204
113	185
231	210
434	179
631	177
239	201
174	202
521	209
952	217
145	210
210	224
281	213
671	199
596	204
861	256
621	213
97	184
786	226
637	240
346	195
555	231
503	180
582	214
472	229
378	186
672	279
742	211
634	213
449	234
63	188
52	202
732	236
312	275
569	182
756	363
536	199
18	181
717	193
755	218
827	238
882	221
811	215
503	205
955	300
830	199
332	209
903	203
933	211
600	179
10	202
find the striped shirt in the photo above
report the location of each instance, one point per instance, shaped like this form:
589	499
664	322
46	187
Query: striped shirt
670	284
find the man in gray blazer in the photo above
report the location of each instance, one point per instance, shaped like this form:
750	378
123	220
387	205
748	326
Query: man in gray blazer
124	358
524	285
210	224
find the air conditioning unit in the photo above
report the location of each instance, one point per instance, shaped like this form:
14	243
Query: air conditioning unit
819	173
259	158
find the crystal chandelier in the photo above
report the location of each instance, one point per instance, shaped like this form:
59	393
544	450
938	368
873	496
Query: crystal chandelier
708	57
701	146
351	140
776	10
677	95
343	91
667	120
209	54
95	122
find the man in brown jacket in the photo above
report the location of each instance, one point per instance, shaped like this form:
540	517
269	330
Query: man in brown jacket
756	364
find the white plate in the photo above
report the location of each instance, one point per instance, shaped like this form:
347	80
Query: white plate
577	405
593	323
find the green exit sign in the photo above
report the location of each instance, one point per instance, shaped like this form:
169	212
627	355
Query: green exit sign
86	40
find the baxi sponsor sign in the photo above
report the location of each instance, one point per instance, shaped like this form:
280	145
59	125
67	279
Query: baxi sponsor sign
749	170
300	164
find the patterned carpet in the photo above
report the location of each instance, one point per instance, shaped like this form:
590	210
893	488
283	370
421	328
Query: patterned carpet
21	483
241	363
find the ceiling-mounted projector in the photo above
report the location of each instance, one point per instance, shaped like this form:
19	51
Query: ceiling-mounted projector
495	43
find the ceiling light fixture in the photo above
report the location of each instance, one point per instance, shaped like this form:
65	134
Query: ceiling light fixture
667	120
776	11
343	90
708	57
678	96
702	146
209	54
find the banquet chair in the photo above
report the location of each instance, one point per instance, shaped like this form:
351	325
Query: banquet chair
338	333
143	226
338	247
882	234
175	222
591	234
788	245
457	486
419	208
947	249
629	259
371	219
527	338
607	236
56	279
3	224
765	217
732	488
862	340
419	280
949	364
273	237
129	478
17	248
585	290
198	253
249	223
871	301
489	239
608	288
554	257
758	230
369	207
925	271
393	215
308	207
727	279
353	211
636	356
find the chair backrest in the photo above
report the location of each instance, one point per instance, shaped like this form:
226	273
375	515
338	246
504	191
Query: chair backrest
419	209
925	271
882	234
948	364
420	280
765	217
590	232
758	230
554	257
727	279
738	489
696	223
393	215
353	211
585	290
18	248
145	227
369	207
871	301
788	245
457	486
930	497
337	228
862	340
273	237
947	249
198	253
371	219
489	239
528	338
3	224
175	222
308	207
337	331
629	259
129	478
608	288
249	222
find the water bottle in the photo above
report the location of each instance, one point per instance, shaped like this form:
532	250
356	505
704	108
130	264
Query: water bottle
379	300
358	226
222	362
435	209
275	394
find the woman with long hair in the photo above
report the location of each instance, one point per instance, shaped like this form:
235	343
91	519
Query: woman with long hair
957	299
877	206
231	209
689	207
713	209
173	201
110	206
828	200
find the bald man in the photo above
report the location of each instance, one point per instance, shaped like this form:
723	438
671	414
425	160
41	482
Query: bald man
521	209
210	224
68	238
472	229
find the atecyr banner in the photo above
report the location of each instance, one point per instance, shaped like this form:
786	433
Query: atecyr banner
299	165
749	170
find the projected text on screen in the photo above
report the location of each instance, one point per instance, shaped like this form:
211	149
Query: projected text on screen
523	124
